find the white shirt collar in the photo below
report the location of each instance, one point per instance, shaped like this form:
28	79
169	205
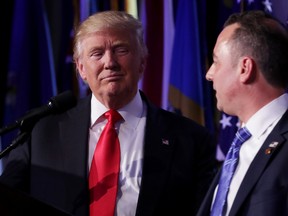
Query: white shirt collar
267	115
132	111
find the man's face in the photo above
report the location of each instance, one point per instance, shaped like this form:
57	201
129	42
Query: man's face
223	71
111	63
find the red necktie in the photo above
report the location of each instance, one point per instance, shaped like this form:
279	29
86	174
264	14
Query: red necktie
103	177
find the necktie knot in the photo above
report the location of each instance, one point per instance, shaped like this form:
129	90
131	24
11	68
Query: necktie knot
113	116
241	136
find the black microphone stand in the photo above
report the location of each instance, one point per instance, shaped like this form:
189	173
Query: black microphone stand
25	126
21	137
57	104
8	128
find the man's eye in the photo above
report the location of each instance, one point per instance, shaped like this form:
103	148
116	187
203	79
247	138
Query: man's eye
121	50
97	54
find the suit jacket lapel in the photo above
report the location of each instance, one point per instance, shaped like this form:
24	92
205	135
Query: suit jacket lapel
75	137
270	147
158	148
207	202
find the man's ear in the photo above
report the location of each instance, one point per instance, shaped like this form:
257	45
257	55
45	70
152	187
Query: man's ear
80	69
143	65
248	69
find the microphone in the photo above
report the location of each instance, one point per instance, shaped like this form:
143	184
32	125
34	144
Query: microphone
56	104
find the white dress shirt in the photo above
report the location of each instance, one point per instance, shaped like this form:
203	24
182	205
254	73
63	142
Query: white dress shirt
259	125
131	138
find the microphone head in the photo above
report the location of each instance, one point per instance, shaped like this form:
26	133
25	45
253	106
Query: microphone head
62	102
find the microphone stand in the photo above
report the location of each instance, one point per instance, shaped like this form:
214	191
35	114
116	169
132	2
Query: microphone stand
22	123
8	128
21	137
26	127
59	103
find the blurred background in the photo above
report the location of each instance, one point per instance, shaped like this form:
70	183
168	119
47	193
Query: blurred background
37	40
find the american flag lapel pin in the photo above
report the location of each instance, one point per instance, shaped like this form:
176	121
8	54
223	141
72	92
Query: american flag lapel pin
165	142
271	147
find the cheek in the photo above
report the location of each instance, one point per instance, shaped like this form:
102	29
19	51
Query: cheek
90	70
223	83
227	92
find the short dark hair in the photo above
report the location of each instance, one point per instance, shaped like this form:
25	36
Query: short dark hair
265	39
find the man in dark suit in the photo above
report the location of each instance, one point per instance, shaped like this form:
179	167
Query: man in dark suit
250	77
167	161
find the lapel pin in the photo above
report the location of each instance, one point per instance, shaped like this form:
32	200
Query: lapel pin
271	147
165	141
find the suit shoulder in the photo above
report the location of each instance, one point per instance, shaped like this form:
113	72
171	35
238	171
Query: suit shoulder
80	110
182	121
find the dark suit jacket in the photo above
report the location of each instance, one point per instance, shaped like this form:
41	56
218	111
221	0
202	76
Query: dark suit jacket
264	190
52	166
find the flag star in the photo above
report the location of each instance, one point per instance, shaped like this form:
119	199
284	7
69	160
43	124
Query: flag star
238	124
225	121
268	5
249	1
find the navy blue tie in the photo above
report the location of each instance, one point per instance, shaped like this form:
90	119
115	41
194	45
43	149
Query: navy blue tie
229	166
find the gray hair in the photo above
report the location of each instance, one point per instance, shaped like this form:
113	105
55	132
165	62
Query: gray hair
109	19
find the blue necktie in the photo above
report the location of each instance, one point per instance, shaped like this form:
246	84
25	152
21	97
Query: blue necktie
230	164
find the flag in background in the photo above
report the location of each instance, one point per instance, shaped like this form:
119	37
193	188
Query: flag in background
168	46
188	90
228	128
131	7
152	19
38	45
228	125
60	20
31	73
